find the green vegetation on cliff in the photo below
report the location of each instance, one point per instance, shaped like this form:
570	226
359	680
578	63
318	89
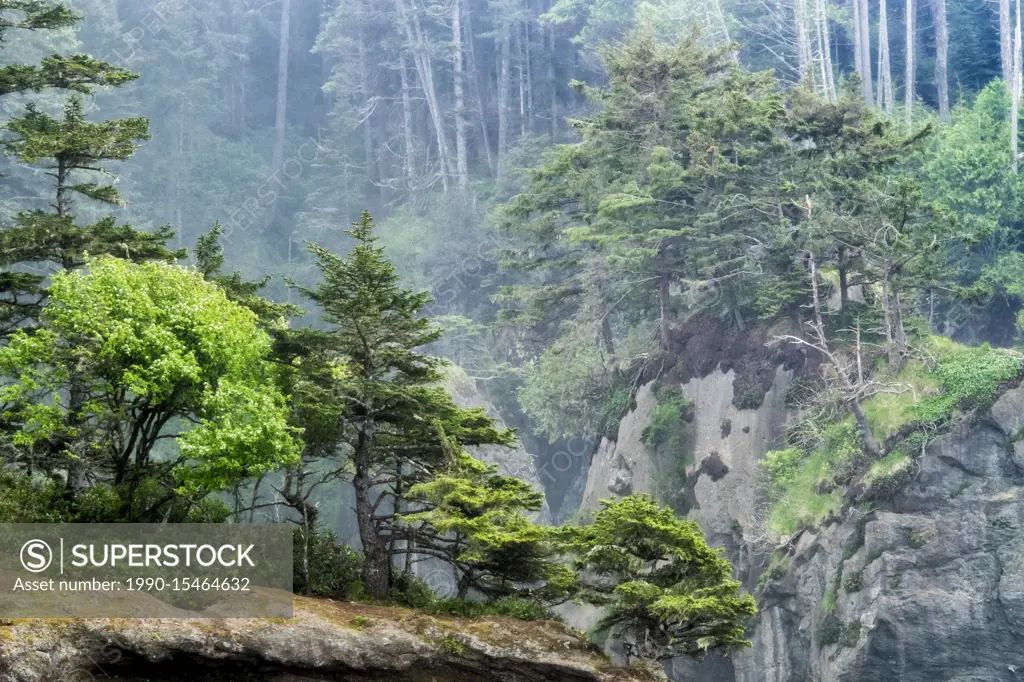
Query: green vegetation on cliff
812	480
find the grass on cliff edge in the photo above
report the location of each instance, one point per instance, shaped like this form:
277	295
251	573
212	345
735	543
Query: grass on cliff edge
809	487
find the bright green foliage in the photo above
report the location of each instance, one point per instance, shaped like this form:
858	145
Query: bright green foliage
383	386
666	592
805	487
781	466
806	483
476	520
149	349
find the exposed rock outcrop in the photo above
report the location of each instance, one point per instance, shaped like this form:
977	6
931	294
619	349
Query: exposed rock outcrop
324	641
926	587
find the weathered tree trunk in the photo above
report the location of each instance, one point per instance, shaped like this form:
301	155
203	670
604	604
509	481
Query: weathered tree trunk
485	138
803	42
1005	43
529	76
409	162
284	48
941	56
365	92
461	158
552	82
908	88
849	389
865	46
281	113
826	38
885	94
376	568
504	85
521	71
858	51
1015	99
425	72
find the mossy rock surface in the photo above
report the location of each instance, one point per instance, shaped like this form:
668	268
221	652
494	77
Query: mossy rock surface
323	641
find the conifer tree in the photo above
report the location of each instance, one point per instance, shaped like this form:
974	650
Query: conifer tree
66	148
666	592
79	73
476	521
73	152
387	390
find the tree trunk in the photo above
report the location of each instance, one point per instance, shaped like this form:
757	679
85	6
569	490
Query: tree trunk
521	69
283	49
504	84
865	46
803	42
885	95
461	158
485	138
665	305
941	54
1015	99
409	162
1005	43
376	566
908	88
826	37
849	389
554	85
529	76
858	51
425	72
844	287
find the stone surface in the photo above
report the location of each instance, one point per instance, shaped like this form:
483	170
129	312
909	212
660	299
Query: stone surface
324	641
623	462
927	587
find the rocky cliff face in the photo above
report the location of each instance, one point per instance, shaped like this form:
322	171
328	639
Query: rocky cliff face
325	641
926	585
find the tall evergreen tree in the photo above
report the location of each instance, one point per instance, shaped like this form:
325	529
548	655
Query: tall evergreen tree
387	388
75	153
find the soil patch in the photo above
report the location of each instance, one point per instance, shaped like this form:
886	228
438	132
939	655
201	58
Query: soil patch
707	342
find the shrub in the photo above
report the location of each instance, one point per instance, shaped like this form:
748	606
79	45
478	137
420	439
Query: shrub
31	499
975	374
513	607
453	647
334	568
411	591
782	465
667	429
